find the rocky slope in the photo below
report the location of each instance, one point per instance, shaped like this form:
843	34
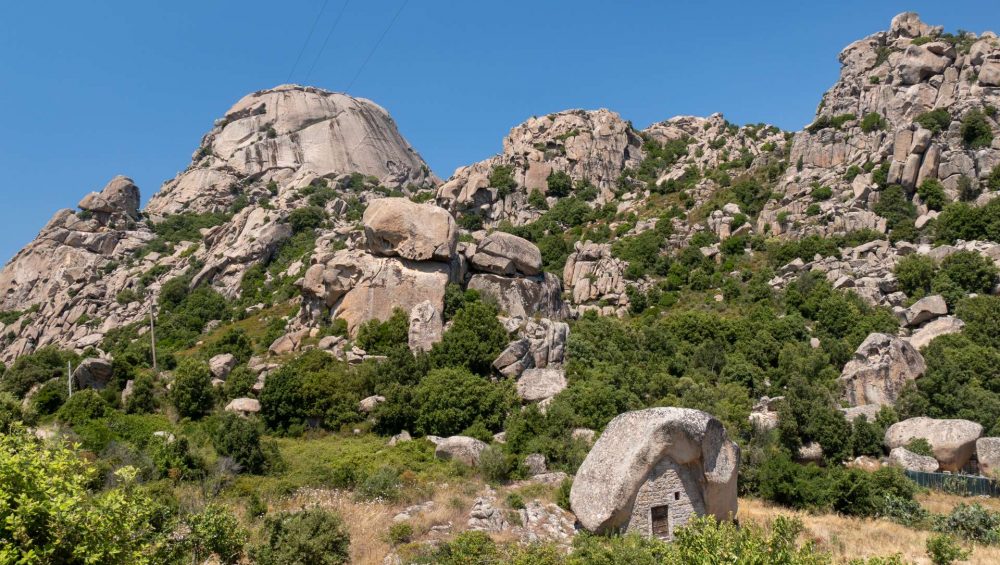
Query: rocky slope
279	153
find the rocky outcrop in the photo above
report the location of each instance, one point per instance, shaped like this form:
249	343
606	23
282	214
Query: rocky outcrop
522	297
93	373
880	368
906	459
988	456
536	385
426	326
953	441
119	197
465	450
286	134
639	447
396	227
764	415
593	275
244	406
932	330
505	254
925	310
540	344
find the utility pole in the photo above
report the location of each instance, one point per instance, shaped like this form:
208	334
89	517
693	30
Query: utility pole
69	376
152	334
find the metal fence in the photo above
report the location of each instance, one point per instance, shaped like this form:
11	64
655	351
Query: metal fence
964	485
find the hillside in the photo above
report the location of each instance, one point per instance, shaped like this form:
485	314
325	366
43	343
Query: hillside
336	327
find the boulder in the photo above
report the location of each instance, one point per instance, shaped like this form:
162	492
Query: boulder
120	196
93	373
368	405
420	232
655	457
221	365
539	384
426	326
906	459
465	450
937	328
869	411
244	406
919	63
811	452
989	74
953	441
522	297
535	464
764	415
879	369
988	455
925	310
498	252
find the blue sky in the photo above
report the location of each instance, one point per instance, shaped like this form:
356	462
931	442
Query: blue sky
98	88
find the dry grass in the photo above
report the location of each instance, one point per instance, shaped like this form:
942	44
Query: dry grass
369	522
851	538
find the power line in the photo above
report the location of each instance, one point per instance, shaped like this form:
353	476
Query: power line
327	39
306	42
377	43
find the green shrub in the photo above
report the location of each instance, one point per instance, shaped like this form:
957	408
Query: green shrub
920	446
379	338
474	339
944	550
192	392
316	536
494	464
932	193
143	398
971	522
450	400
383	484
537	200
976	130
44	364
502	179
239	439
813	210
215	531
821	193
10	412
935	120
50	397
915	274
872	121
993	181
306	218
972	272
239	383
400	533
559	184
981	315
82	407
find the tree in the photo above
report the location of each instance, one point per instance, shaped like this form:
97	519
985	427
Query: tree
915	274
972	272
379	338
559	184
310	537
143	399
451	400
192	392
48	515
474	340
239	438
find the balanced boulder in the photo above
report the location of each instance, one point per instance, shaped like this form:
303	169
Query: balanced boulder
653	470
880	368
420	232
504	254
952	441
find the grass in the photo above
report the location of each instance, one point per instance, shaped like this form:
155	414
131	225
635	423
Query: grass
851	538
255	326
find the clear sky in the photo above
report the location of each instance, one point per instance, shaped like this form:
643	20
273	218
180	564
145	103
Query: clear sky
91	89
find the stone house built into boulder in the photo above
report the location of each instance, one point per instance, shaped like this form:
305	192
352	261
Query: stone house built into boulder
653	470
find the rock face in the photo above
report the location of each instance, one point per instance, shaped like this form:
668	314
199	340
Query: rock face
420	232
505	254
594	276
93	373
426	326
465	450
120	196
540	343
988	455
939	327
953	441
540	384
287	133
906	459
880	368
523	297
652	470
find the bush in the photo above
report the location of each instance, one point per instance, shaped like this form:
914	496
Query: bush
239	439
383	484
895	207
872	121
559	184
82	407
44	364
306	218
915	274
502	179
822	193
935	120
474	339
976	130
143	399
494	464
971	522
316	537
932	193
215	531
379	338
10	412
982	319
943	550
49	397
450	400
192	392
400	533
239	383
972	272
920	446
